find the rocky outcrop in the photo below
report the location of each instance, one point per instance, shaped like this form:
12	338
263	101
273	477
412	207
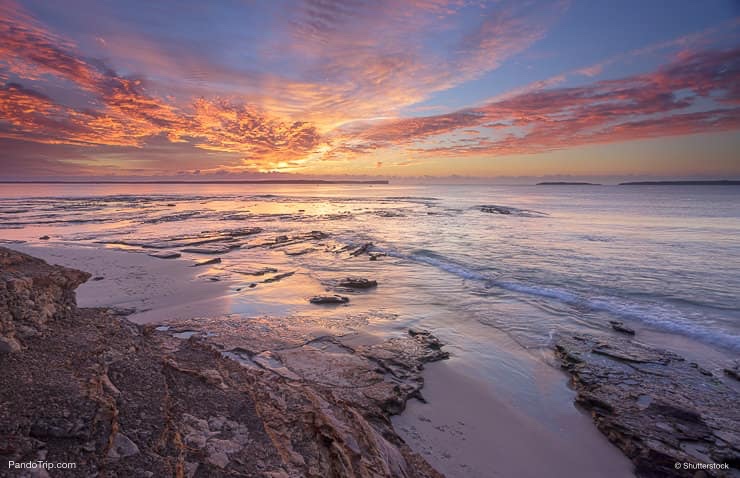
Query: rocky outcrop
264	399
357	283
329	299
32	293
656	407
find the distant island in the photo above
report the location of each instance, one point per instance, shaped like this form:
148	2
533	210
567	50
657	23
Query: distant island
566	183
683	183
246	181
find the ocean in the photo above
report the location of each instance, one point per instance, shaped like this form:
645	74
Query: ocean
524	261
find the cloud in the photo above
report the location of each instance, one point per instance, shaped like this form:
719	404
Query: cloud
641	106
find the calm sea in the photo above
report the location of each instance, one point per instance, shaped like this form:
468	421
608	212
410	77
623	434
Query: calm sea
664	259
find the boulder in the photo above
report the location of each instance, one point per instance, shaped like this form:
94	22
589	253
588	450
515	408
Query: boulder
357	283
329	299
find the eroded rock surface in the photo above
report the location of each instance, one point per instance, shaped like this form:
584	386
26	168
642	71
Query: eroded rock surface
656	407
120	400
33	293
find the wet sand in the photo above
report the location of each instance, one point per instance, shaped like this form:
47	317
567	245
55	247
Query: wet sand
466	430
154	288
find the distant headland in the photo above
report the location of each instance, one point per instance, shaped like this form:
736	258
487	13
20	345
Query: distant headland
725	182
246	181
566	183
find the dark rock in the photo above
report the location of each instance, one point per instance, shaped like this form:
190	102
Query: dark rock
256	272
215	260
166	255
733	371
98	278
362	249
656	407
278	277
44	238
329	299
207	250
375	255
496	210
620	327
357	283
510	211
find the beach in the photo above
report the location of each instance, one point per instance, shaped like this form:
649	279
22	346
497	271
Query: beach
497	402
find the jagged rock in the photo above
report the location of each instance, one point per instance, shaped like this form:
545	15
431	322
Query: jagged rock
651	403
620	327
123	400
215	260
32	293
329	299
357	283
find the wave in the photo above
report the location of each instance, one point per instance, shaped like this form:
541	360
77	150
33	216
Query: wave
659	316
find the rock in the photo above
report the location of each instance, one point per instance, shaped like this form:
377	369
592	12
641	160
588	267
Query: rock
98	278
8	345
361	250
278	277
733	370
357	283
166	255
256	272
329	299
32	293
44	238
122	447
207	250
375	255
655	406
271	361
510	211
125	400
620	327
496	210
215	260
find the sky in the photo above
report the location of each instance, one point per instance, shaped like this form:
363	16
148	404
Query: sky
381	88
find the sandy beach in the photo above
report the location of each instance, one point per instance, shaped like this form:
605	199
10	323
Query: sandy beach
150	289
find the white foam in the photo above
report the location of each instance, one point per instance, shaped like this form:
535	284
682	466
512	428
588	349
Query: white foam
659	316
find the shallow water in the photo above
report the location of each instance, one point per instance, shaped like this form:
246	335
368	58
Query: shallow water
559	257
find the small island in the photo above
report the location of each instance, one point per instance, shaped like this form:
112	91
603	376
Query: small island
724	182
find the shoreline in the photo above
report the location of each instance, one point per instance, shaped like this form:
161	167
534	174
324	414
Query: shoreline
462	422
141	276
144	287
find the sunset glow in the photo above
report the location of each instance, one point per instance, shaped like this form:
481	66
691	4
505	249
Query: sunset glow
321	88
